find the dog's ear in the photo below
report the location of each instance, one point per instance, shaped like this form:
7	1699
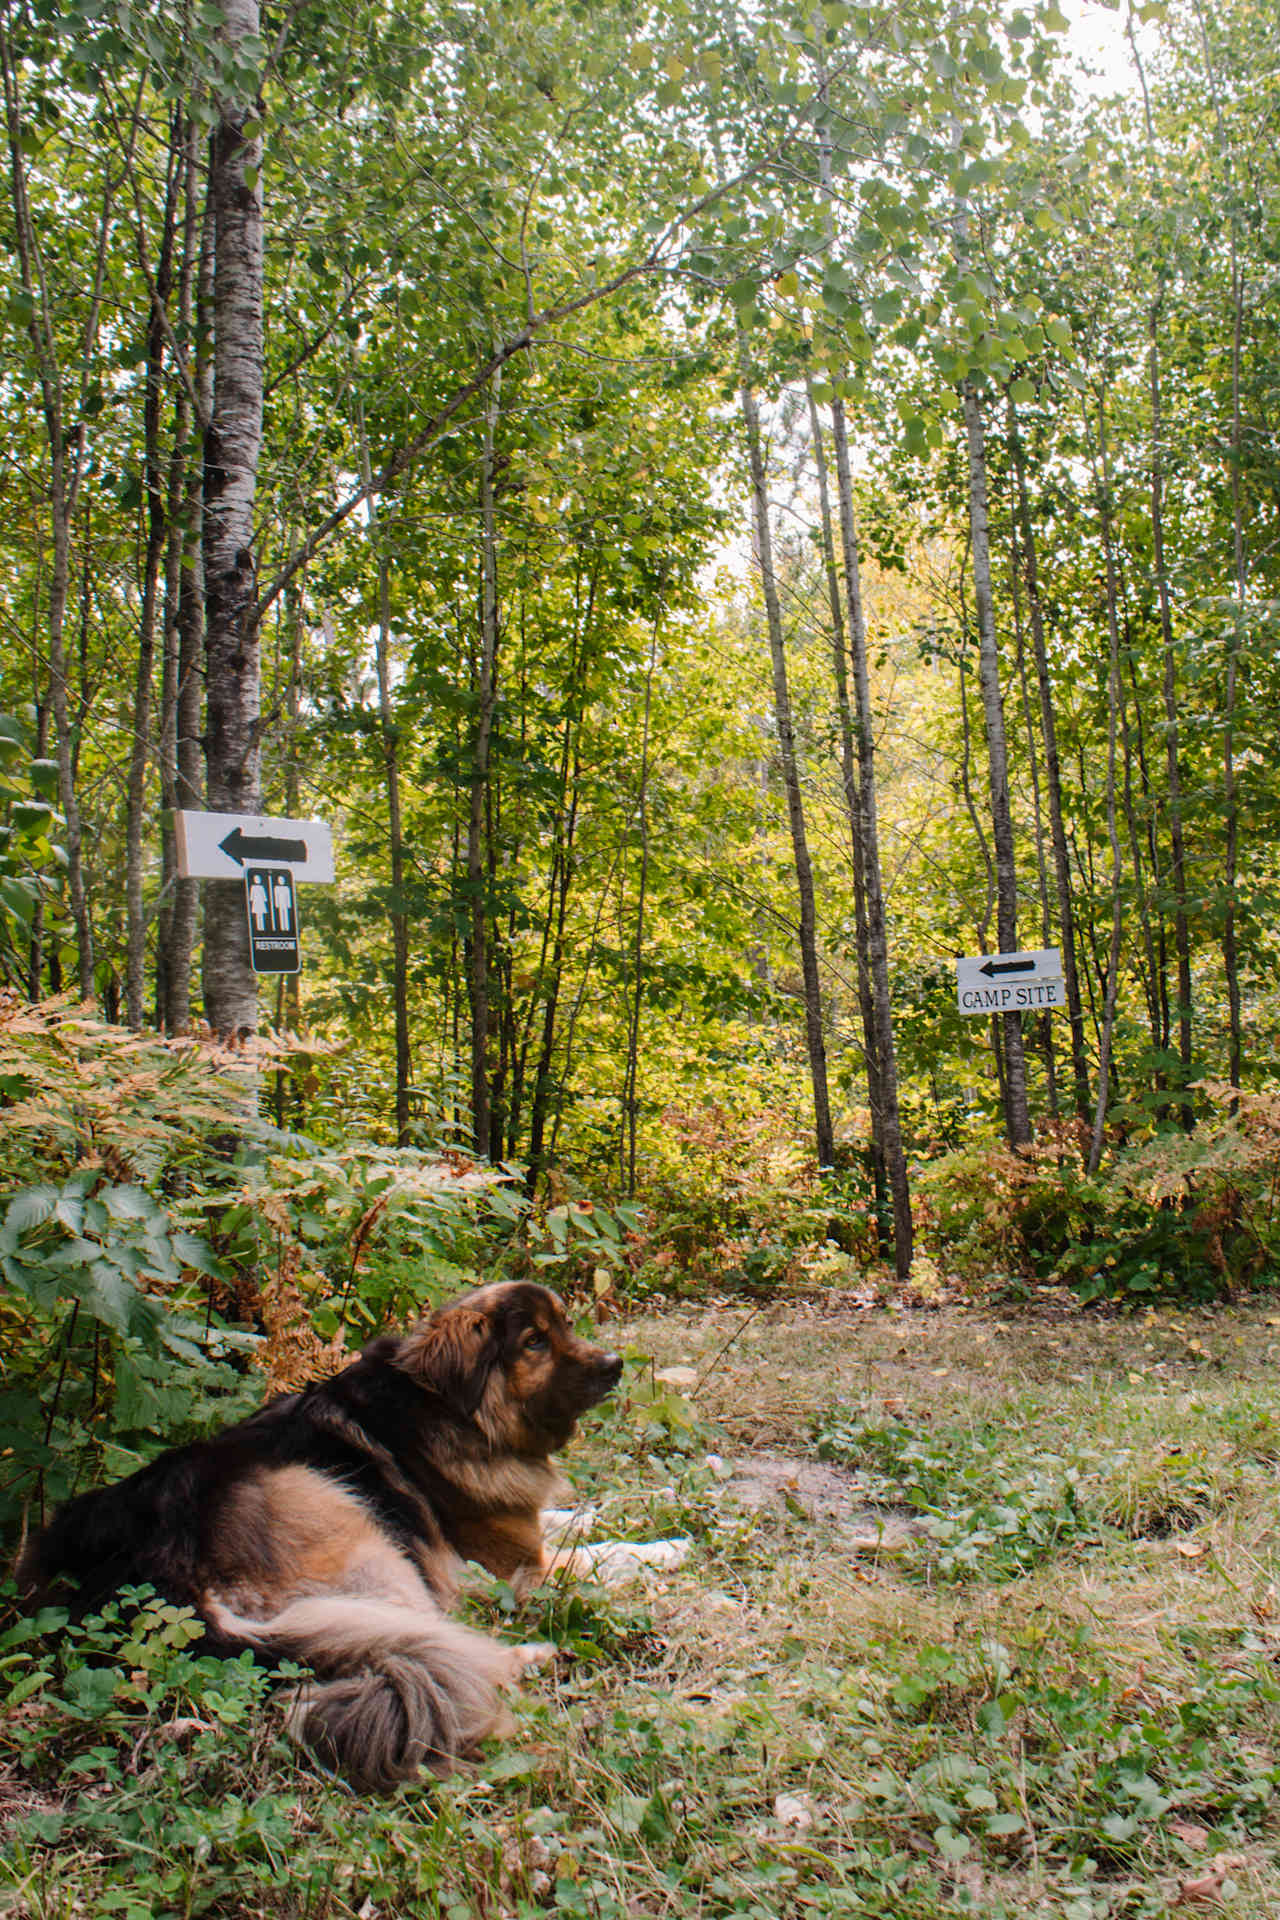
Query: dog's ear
452	1353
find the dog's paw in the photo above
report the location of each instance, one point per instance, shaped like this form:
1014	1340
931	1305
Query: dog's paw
561	1525
614	1561
538	1653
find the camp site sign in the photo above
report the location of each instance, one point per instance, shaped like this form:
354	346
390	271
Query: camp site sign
1011	982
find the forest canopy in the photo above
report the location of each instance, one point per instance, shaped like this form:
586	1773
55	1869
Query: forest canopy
723	510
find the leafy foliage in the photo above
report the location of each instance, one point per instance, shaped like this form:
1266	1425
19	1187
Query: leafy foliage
1174	1214
29	854
737	1200
981	1517
167	1258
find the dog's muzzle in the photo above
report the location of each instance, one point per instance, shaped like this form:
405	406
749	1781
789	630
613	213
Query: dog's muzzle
606	1373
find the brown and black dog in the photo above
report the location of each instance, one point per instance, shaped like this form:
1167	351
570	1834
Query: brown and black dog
331	1527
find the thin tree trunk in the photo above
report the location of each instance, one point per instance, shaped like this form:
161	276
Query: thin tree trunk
66	442
1053	785
1017	1116
289	995
1230	805
895	1159
184	609
854	817
629	1098
486	695
1033	763
232	445
1113	707
814	1039
1148	968
558	871
157	516
882	1067
395	815
982	922
540	1105
1177	844
40	701
1173	760
35	950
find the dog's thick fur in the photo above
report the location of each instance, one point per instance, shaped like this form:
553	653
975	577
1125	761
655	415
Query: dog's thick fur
331	1527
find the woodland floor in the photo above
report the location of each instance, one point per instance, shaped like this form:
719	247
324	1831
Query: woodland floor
980	1614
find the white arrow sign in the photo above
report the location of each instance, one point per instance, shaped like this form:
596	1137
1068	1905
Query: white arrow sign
219	846
1011	982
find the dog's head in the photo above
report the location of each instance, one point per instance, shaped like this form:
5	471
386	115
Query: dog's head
506	1358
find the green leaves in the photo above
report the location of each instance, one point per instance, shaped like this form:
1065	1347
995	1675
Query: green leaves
28	1209
29	856
102	1247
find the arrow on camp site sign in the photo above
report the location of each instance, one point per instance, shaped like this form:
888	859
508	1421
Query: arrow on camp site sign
221	846
1026	963
259	848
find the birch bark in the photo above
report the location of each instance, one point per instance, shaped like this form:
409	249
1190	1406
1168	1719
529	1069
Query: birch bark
232	444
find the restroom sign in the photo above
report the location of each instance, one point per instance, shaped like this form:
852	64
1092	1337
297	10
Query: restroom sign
273	919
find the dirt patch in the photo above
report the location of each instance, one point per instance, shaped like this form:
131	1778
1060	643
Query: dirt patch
18	1799
822	1493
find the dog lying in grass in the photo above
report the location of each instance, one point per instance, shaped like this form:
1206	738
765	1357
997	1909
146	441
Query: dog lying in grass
331	1527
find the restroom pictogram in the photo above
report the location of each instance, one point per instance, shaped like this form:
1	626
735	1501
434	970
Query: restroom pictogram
273	919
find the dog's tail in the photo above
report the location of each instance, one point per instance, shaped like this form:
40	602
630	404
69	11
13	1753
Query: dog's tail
399	1687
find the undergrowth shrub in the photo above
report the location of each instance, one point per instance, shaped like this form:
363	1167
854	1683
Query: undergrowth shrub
1188	1216
107	1312
167	1257
744	1205
30	854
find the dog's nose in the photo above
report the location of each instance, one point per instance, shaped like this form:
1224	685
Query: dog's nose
611	1368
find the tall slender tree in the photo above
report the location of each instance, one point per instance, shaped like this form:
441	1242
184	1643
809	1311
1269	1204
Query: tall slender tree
1017	1114
815	1039
232	445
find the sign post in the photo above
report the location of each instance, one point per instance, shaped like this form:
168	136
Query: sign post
1011	982
270	855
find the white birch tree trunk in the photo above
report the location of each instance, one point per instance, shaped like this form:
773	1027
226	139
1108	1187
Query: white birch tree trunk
232	444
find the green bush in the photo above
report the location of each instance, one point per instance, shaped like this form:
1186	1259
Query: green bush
30	854
166	1256
1185	1216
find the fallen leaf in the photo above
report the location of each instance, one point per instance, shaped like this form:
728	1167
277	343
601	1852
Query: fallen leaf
1210	1885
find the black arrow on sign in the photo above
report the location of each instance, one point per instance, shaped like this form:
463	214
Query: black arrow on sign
244	847
994	967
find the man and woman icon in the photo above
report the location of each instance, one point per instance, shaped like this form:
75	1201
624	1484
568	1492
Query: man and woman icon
271	910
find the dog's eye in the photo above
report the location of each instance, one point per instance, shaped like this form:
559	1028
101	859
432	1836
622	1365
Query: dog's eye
537	1342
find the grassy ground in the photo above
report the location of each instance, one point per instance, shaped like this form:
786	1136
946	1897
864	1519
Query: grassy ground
981	1616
